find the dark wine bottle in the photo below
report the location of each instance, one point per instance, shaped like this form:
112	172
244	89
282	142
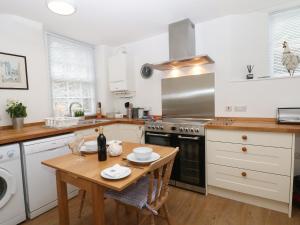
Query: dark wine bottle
101	140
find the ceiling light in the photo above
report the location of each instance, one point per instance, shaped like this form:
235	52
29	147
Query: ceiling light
62	7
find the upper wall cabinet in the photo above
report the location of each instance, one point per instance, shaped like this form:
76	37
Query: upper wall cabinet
119	80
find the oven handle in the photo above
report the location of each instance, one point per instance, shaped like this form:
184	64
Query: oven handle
189	138
158	135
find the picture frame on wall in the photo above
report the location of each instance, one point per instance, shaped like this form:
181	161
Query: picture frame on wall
13	72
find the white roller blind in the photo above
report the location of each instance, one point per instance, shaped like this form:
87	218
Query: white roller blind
285	26
72	73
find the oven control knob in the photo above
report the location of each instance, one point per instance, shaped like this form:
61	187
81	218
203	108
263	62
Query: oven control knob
149	127
197	130
153	127
161	127
157	127
192	130
186	129
181	129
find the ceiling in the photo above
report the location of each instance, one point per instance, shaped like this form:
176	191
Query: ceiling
115	22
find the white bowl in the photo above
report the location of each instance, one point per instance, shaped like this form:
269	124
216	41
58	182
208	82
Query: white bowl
142	153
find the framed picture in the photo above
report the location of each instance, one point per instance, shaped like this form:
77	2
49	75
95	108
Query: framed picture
13	72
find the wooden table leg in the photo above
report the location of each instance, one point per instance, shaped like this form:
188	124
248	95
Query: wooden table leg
62	199
97	193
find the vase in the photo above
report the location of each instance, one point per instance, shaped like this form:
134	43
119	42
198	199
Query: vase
18	123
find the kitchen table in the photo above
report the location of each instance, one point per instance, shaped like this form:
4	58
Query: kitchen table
84	172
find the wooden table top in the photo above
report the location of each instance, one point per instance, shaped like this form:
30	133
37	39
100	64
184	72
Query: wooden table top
88	167
38	131
264	125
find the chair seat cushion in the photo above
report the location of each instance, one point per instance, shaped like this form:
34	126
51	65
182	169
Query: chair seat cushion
134	195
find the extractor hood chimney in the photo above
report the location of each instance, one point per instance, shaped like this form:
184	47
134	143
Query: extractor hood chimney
182	47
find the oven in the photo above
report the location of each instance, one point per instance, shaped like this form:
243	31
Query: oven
190	162
189	166
156	138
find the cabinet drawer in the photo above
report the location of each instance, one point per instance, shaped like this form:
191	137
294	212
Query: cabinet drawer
259	158
283	140
270	186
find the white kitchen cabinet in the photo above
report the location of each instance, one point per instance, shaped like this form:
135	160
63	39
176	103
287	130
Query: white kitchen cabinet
119	79
123	132
252	167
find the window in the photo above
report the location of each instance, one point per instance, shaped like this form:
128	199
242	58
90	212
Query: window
285	26
72	74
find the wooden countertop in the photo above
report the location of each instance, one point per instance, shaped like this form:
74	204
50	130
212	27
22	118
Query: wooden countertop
252	124
10	135
89	167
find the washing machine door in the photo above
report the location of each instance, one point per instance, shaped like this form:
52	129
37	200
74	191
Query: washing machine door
8	187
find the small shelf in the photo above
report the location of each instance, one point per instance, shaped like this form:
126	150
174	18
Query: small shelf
266	79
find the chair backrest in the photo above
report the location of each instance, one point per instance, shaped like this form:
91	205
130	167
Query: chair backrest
159	177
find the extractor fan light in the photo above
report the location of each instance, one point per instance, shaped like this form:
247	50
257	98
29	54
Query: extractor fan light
62	7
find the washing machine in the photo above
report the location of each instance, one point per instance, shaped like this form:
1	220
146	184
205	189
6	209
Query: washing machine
12	206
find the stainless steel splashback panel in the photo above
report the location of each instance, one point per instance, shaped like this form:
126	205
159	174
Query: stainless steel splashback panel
189	96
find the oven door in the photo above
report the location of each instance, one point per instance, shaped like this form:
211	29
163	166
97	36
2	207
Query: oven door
190	162
154	138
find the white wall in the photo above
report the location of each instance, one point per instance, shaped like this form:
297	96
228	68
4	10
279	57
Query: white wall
233	42
24	37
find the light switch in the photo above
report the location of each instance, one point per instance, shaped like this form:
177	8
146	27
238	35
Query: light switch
241	108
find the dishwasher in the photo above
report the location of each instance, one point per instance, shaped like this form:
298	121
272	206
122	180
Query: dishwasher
39	180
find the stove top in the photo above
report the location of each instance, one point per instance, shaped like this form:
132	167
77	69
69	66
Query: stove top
190	126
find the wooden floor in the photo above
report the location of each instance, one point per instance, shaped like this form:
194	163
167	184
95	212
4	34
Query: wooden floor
186	208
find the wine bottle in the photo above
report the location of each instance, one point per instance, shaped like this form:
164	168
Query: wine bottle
101	141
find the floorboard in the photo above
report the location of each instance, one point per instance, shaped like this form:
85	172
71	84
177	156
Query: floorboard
186	208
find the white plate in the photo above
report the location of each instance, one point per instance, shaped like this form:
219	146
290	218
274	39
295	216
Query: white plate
85	150
154	157
114	141
125	174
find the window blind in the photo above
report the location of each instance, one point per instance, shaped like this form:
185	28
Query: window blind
72	74
285	26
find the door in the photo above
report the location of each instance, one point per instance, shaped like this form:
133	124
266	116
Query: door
41	180
190	161
158	139
8	187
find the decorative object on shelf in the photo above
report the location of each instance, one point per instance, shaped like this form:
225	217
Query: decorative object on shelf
146	71
289	59
250	72
17	112
13	72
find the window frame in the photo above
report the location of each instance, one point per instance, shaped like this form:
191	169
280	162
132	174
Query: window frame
94	97
272	50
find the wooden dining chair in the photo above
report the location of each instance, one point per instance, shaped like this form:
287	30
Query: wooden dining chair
148	196
74	147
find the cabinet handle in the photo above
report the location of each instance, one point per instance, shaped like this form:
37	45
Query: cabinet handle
244	137
244	149
97	130
244	174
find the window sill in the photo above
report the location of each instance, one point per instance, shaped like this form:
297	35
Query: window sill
266	78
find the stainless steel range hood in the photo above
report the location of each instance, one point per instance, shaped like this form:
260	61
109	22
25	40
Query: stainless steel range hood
182	47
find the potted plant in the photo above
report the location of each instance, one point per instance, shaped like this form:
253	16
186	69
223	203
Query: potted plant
17	112
79	113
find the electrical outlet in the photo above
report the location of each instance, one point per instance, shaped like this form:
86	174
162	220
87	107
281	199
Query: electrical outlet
228	108
241	108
